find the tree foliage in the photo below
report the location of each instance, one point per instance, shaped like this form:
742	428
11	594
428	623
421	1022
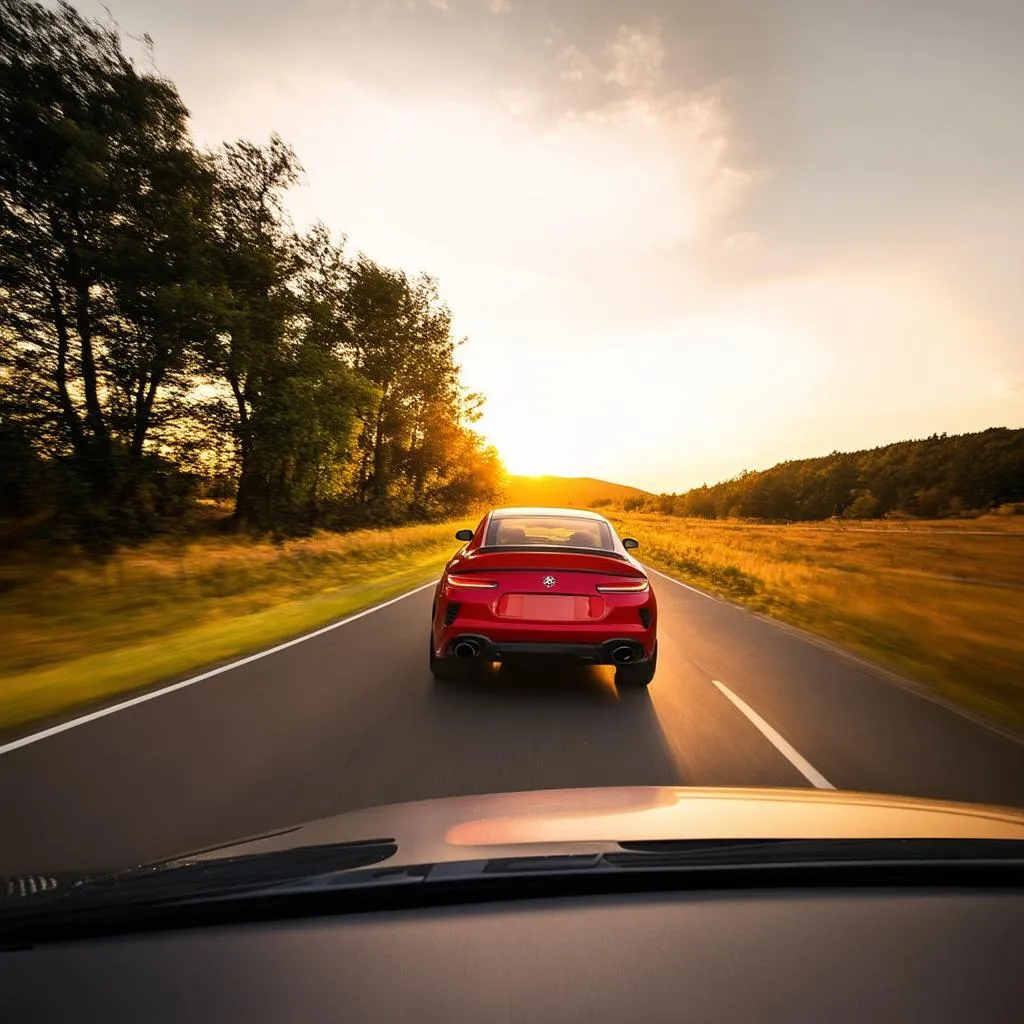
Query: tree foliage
933	477
163	325
102	215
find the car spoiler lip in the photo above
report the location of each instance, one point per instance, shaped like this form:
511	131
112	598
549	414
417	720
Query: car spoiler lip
610	571
553	548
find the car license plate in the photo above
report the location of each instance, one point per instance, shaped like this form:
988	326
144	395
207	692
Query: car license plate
545	607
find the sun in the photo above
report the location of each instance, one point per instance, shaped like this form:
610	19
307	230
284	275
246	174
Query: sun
534	450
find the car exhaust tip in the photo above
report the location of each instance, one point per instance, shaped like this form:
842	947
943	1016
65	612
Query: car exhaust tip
467	649
623	654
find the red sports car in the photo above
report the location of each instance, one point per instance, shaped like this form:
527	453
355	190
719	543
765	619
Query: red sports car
536	582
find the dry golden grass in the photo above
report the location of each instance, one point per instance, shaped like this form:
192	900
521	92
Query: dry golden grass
940	602
79	632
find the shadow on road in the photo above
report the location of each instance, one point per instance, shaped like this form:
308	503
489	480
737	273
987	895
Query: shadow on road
532	727
552	683
292	739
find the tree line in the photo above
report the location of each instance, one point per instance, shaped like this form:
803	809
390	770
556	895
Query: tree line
935	477
166	332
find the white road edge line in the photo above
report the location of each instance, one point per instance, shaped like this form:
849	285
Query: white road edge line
800	763
872	668
103	712
680	583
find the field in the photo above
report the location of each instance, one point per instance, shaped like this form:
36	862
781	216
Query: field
941	602
81	632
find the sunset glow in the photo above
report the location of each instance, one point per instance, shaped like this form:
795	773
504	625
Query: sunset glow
644	235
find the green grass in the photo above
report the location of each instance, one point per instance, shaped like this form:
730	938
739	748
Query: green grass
79	634
936	602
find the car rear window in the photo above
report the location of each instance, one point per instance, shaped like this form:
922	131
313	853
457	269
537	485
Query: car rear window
549	531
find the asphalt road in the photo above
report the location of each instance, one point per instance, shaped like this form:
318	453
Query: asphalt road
351	718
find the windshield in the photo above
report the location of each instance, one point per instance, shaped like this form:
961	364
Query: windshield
549	531
615	406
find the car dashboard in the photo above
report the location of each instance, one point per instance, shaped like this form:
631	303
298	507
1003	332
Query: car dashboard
817	954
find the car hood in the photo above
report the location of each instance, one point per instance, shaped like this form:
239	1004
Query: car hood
593	820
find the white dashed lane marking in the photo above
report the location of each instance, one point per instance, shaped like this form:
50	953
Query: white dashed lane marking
787	750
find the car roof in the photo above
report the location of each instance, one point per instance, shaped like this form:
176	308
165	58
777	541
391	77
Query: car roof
540	510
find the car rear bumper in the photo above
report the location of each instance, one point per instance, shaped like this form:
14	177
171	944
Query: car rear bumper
613	651
629	619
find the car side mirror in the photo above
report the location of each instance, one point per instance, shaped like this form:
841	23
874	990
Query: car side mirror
628	542
464	535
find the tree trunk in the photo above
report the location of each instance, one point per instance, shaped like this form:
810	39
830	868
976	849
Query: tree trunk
244	496
144	413
84	327
83	324
378	483
67	408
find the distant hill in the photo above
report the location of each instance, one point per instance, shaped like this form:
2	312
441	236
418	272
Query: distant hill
568	492
936	476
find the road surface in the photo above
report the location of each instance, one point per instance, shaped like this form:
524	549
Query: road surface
351	718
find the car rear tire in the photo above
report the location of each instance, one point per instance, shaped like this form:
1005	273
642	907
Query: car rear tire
445	669
639	674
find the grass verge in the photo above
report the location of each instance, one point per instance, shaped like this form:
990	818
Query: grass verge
79	635
939	605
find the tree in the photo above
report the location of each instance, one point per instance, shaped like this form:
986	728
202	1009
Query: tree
311	417
23	471
256	257
102	214
863	506
293	402
401	342
161	320
936	476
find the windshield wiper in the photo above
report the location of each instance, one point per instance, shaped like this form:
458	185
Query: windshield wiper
187	878
344	878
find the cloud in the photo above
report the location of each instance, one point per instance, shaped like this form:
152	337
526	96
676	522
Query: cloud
577	66
676	178
450	6
741	241
636	57
521	102
632	61
1011	389
591	195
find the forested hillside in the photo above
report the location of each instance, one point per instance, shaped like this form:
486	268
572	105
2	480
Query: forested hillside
567	491
166	333
935	477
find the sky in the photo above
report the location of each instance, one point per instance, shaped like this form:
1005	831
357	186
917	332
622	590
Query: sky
682	239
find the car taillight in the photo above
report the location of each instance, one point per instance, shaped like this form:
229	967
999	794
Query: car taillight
473	582
624	586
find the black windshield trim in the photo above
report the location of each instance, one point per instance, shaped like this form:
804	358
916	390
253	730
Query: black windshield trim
979	865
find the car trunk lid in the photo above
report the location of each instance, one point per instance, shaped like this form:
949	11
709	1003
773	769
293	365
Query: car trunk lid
546	586
545	560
